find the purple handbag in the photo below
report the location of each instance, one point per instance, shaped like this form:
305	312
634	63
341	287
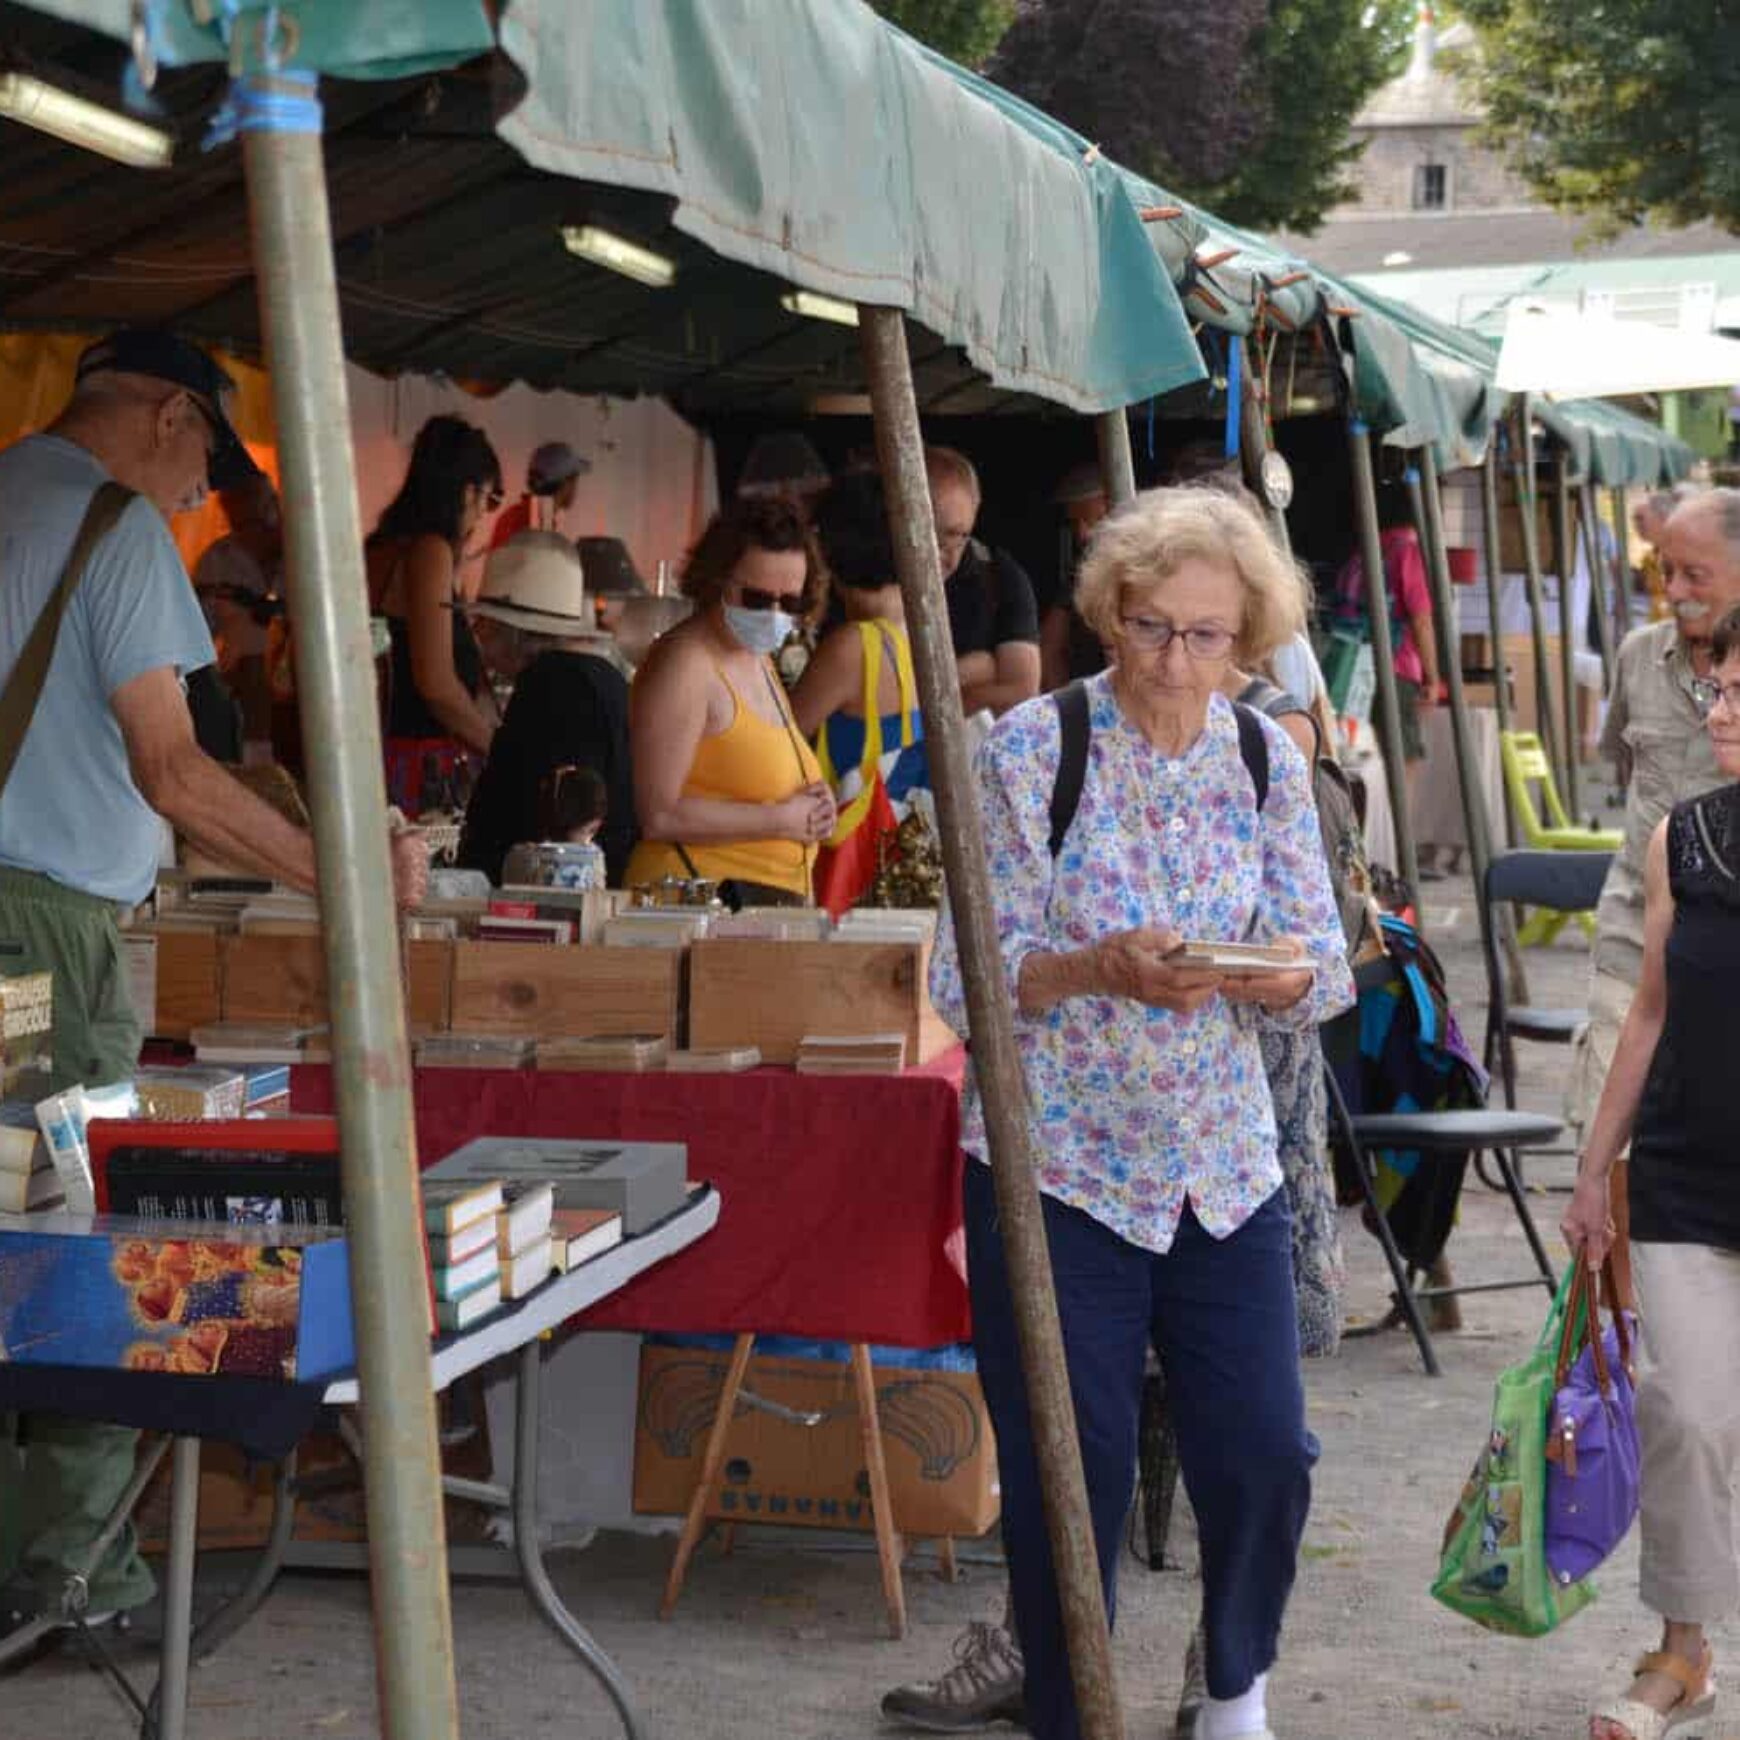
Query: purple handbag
1593	1456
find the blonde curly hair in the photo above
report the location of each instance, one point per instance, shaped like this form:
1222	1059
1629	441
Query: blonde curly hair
1151	538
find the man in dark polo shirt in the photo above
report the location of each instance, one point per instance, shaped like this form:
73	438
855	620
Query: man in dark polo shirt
993	617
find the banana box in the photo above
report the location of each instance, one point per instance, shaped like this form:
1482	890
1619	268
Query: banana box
799	1459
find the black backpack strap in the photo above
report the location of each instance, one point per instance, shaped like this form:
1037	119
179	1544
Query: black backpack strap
1076	728
1253	750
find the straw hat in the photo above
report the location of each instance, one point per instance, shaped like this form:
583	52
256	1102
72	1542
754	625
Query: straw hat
535	581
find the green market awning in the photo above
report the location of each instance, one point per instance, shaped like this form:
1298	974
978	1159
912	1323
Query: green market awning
805	140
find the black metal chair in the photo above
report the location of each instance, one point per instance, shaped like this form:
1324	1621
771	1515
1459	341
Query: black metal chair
1436	1137
1558	882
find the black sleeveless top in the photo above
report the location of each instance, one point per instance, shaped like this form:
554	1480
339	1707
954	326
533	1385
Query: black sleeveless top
1685	1150
408	713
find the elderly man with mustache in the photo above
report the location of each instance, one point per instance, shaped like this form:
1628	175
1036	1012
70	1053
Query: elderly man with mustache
1655	734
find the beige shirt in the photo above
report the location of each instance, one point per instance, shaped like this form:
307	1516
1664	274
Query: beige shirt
1655	734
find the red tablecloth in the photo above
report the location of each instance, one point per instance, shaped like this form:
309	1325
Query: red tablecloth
842	1194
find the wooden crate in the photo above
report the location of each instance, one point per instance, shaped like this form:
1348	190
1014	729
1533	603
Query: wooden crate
281	977
189	983
554	991
744	991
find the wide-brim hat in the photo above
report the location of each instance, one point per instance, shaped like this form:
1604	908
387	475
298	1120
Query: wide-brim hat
535	581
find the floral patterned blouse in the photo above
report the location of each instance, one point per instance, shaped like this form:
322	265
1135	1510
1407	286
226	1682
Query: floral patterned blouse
1132	1111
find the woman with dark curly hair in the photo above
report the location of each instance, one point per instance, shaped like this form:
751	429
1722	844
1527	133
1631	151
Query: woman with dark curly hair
439	711
726	788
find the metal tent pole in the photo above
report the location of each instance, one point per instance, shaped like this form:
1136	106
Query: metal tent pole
1427	502
1117	462
1600	581
900	451
1523	467
1495	605
1565	536
1429	508
1377	598
335	684
1622	563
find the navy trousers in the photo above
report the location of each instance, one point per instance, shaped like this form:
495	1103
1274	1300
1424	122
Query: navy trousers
1221	1316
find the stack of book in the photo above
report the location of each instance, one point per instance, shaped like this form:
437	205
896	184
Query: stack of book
630	1052
875	924
518	921
280	913
522	1238
641	1181
245	1042
856	1054
472	1051
465	1271
716	1060
656	927
774	924
185	1096
27	1175
577	1235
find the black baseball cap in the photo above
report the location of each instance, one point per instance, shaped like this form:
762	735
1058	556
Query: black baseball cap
149	350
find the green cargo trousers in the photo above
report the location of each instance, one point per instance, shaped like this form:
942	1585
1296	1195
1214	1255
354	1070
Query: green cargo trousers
59	1478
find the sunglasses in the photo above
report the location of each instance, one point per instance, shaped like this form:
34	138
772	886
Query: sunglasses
753	598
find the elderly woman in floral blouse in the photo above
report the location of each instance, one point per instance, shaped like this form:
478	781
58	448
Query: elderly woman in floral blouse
1149	1113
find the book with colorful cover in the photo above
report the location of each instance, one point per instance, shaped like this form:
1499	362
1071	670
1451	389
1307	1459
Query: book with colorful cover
121	1292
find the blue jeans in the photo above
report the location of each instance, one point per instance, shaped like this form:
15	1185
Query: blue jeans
1222	1317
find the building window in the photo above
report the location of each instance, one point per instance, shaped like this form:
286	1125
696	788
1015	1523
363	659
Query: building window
1431	187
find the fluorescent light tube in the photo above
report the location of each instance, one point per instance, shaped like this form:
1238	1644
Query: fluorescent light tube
814	306
47	108
618	254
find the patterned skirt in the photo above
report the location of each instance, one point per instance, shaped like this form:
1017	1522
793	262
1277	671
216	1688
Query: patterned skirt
1294	1062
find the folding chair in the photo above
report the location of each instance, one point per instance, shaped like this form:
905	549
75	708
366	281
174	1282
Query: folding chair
1526	767
1550	882
1435	1137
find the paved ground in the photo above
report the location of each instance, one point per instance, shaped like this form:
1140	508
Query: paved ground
784	1642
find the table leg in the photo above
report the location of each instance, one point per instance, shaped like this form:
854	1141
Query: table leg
881	1507
178	1589
947	1568
533	1572
696	1521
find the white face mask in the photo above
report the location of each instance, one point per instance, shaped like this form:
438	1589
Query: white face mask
760	631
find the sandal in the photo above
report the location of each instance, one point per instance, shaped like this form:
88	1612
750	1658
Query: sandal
1627	1719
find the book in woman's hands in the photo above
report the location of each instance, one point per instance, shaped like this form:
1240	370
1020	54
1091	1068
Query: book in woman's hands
1240	957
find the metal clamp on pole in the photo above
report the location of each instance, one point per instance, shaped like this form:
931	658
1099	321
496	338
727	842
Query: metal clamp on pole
278	116
900	451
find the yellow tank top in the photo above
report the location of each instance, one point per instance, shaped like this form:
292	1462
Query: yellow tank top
749	762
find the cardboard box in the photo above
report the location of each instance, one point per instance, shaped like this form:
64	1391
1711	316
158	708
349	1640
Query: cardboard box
115	1292
751	991
936	1437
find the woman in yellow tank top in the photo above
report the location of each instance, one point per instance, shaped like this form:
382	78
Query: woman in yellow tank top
725	786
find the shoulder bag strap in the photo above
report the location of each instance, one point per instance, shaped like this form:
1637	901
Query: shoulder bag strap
23	689
1075	722
1253	750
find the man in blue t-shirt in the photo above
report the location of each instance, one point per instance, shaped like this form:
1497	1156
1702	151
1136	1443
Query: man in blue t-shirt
108	750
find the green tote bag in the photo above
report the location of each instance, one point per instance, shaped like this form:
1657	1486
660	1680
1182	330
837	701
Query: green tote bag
1493	1569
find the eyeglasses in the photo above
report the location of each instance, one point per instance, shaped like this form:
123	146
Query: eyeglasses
753	598
1202	642
1707	692
493	498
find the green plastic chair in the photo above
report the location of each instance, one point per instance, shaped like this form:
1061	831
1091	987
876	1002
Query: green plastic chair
1526	767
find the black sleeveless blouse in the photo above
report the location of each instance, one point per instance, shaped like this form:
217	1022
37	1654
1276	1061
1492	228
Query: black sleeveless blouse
1685	1150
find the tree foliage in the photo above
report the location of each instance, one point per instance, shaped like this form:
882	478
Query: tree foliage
1240	105
1625	110
964	30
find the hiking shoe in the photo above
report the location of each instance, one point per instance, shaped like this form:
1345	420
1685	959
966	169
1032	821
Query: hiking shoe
982	1689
